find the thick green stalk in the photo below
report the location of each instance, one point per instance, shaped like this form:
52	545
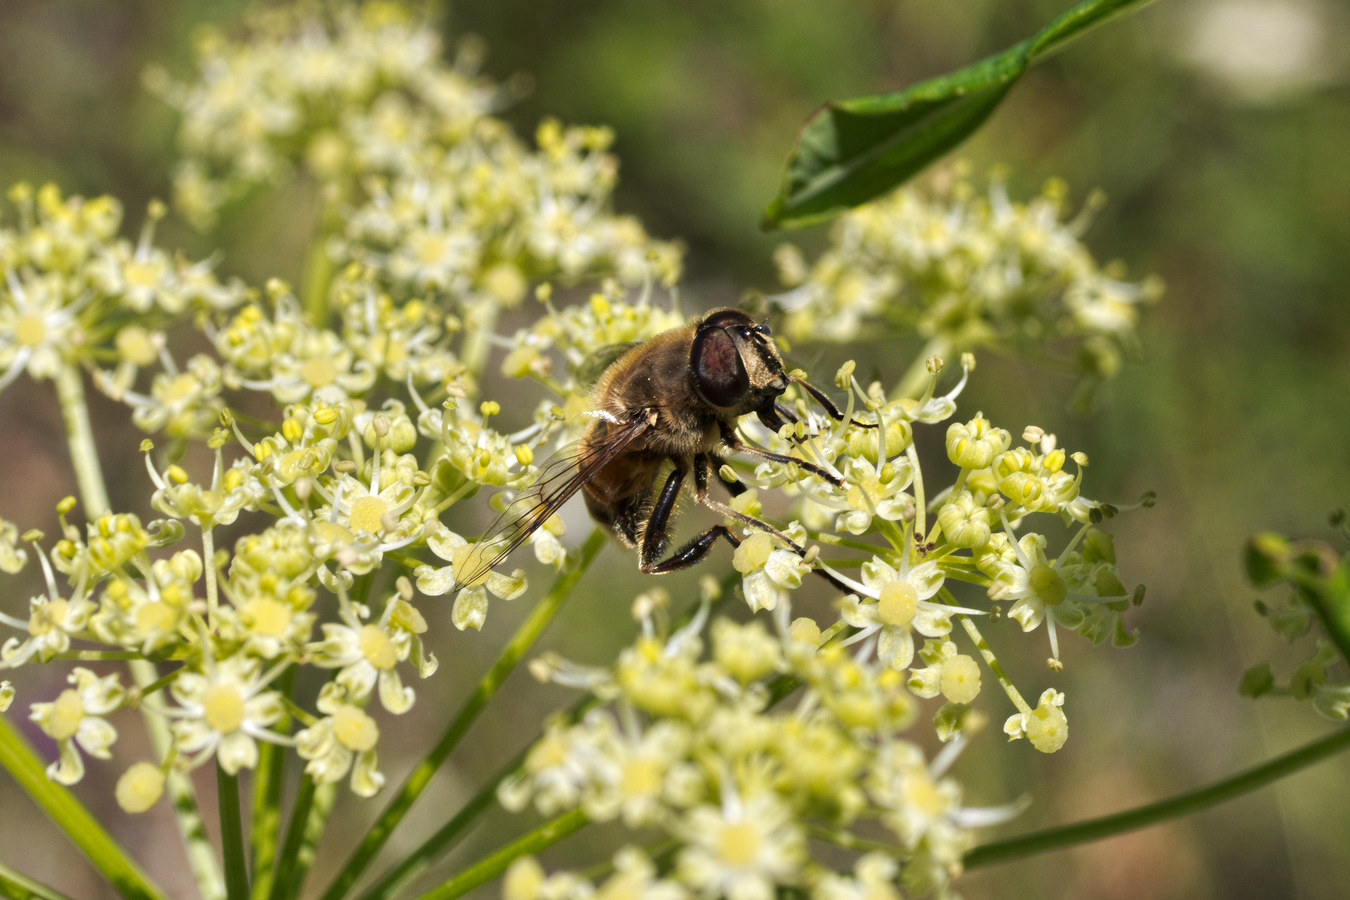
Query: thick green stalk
318	272
491	866
15	885
79	825
414	863
94	496
285	878
520	643
325	796
80	441
265	824
231	834
1163	810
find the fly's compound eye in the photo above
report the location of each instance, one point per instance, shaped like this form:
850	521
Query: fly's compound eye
719	373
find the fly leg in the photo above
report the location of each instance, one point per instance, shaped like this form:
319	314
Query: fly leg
658	526
737	445
704	541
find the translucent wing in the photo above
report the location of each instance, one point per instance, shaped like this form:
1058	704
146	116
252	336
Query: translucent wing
589	370
562	476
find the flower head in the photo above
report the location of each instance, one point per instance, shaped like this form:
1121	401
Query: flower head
343	740
75	721
223	710
969	271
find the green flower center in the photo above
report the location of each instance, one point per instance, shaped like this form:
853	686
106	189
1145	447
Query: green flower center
354	729
319	371
30	330
739	844
267	616
155	617
641	778
46	618
1047	585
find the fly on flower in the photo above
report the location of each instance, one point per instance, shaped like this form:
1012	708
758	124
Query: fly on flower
671	401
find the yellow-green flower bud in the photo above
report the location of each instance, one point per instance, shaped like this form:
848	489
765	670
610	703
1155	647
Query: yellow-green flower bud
140	787
965	522
974	444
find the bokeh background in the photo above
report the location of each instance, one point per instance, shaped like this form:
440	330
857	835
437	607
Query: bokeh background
1218	130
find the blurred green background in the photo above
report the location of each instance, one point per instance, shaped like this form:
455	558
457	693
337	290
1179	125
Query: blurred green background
1218	130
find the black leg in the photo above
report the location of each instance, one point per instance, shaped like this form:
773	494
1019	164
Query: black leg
698	547
658	521
826	404
693	551
736	444
658	525
775	417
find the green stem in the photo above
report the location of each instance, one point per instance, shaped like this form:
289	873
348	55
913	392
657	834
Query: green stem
417	780
991	660
920	498
284	880
479	322
94	496
1163	810
212	591
14	885
183	799
491	866
325	795
80	441
231	834
265	824
318	272
79	825
416	862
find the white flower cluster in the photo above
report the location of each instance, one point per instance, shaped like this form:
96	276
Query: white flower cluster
787	729
967	272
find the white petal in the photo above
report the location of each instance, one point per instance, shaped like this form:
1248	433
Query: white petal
433	581
470	609
237	751
393	695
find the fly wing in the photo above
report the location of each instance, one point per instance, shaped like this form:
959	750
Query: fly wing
561	477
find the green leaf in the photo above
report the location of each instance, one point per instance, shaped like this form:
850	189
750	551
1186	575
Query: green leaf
851	151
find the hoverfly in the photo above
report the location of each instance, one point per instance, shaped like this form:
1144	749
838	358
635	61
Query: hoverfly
673	400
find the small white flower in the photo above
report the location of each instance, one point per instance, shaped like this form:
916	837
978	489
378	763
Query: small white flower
343	740
741	850
224	711
368	653
74	720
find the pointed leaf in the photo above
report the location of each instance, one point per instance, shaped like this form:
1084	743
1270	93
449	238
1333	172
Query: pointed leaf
851	151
